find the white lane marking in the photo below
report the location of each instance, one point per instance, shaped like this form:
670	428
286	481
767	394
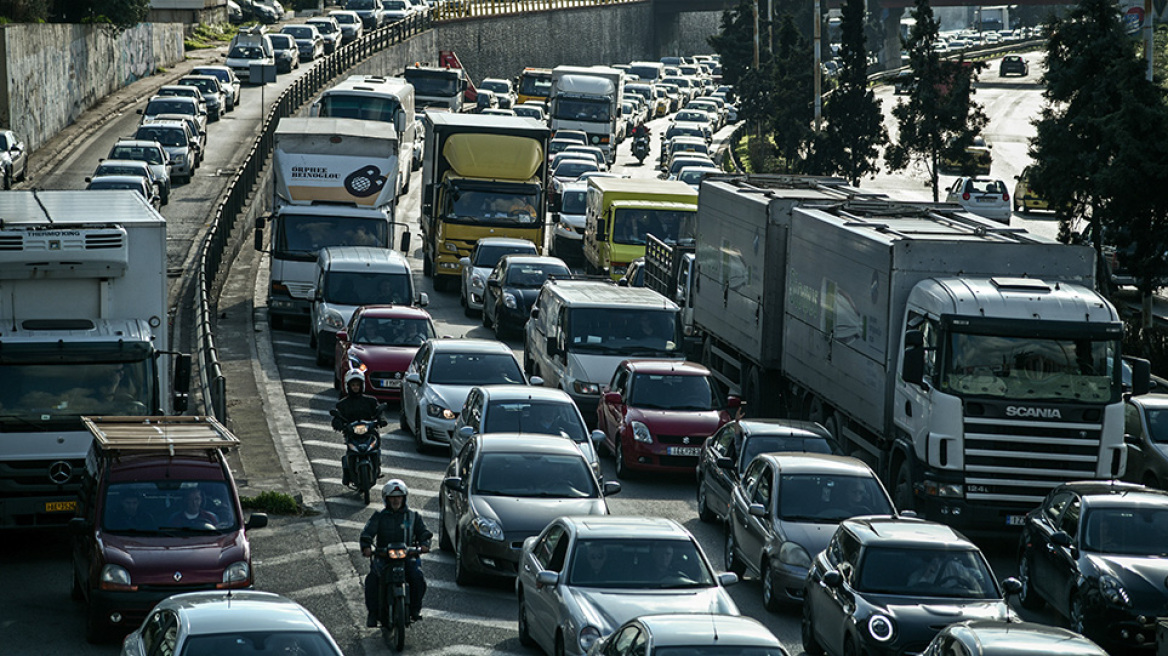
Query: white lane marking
287	342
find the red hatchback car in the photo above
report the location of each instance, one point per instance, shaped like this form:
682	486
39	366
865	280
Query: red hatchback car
656	414
381	341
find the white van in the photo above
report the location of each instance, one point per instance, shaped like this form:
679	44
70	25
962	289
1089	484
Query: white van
250	47
580	330
348	277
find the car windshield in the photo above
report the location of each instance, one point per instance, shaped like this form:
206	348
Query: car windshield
533	275
927	572
246	52
558	145
770	443
574	168
487	256
283	41
534	475
530	112
300	32
168	506
627	332
497	86
693	116
121	169
324	27
829	498
347	19
973	186
1140	531
258	642
1029	368
573	201
223	76
694	176
528	416
674	392
579	109
638	564
633	225
475	369
360	288
393	331
151	155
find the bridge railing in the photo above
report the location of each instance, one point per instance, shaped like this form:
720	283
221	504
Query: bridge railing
459	9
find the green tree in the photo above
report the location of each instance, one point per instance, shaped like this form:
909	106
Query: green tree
792	91
735	43
940	118
121	14
850	141
1101	150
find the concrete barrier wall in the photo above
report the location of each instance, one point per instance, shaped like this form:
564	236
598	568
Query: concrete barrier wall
54	72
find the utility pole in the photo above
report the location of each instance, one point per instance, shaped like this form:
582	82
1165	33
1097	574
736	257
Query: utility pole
771	27
754	10
1149	38
819	67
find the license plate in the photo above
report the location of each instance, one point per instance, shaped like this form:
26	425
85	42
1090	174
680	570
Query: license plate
694	451
390	382
986	199
1015	520
60	506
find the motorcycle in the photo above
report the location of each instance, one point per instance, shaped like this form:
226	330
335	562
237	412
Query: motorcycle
641	148
393	612
363	447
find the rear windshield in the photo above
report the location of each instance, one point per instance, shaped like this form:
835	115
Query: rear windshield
151	155
167	136
169	106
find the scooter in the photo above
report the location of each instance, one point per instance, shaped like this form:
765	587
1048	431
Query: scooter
394	594
641	148
363	447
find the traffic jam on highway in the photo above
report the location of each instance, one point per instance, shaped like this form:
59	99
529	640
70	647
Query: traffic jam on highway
674	411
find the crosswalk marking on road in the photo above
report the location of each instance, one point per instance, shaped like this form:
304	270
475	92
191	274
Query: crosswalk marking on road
428	476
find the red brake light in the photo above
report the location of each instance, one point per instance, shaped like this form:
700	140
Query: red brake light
965	196
1005	195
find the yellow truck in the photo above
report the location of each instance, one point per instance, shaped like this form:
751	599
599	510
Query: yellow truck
534	84
485	176
622	212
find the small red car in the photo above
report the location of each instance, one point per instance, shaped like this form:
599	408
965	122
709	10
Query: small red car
381	340
656	414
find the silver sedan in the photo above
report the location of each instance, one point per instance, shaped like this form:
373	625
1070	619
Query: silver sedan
583	576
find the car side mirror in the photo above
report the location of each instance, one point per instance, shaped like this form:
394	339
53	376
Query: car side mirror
414	378
454	484
493	283
534	313
546	579
535	381
611	488
466	432
465	263
757	510
725	462
733	402
727	578
1012	586
423	299
257	520
1141	378
597	436
613	398
623	282
1060	538
404	246
833	579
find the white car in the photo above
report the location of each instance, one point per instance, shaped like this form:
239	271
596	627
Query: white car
582	577
441	375
477	267
983	196
230	622
693	175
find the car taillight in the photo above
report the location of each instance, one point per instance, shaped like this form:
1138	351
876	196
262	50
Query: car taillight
965	196
1005	195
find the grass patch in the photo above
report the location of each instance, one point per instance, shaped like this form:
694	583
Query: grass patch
274	503
210	36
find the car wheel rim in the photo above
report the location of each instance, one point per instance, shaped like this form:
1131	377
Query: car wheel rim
729	547
768	586
1076	614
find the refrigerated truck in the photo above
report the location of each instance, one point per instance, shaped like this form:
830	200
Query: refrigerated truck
84	330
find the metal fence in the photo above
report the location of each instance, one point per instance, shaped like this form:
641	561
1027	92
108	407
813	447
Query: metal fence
215	246
458	9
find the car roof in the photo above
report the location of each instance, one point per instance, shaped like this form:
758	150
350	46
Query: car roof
679	367
1116	494
1006	638
523	258
385	311
792	427
694	630
905	532
526	443
626	526
470	345
137	143
136	163
240	611
1157	401
518	392
119	179
817	463
1095	487
362	257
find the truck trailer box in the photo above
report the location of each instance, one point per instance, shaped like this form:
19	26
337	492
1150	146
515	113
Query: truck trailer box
336	160
848	279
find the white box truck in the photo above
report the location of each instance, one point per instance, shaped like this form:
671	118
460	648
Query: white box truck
334	187
83	331
971	363
588	99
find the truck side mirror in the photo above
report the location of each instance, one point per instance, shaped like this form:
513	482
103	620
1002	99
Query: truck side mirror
1141	379
182	381
913	367
601	229
404	246
259	233
399	121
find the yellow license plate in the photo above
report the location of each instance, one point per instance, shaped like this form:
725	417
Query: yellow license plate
60	506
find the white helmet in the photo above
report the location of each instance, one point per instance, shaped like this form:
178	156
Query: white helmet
354	374
395	487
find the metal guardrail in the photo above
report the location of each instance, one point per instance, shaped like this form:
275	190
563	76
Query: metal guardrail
458	9
215	244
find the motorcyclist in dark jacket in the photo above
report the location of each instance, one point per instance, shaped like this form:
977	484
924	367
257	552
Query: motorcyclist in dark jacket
641	130
395	524
355	406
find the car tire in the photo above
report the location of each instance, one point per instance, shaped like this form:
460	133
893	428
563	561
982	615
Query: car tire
96	631
462	576
486	320
77	593
1027	597
559	650
902	489
807	632
1075	612
770	590
419	445
623	471
322	358
336	380
703	507
402	424
525	638
732	562
444	542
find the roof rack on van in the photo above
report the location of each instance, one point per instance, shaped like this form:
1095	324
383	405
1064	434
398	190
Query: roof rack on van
181	433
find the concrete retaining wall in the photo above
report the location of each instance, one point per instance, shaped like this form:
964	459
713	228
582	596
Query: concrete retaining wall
51	73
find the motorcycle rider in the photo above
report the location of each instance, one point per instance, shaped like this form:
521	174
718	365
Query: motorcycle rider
355	406
641	130
395	524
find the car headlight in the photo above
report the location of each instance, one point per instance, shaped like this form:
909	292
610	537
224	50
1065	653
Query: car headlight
584	387
333	319
477	281
509	301
356	363
794	555
641	433
115	576
177	158
435	410
947	490
452	247
881	628
1113	591
588	637
488	528
595	139
237	572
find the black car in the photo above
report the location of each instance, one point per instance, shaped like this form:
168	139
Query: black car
512	288
889	585
1097	552
727	452
786	508
1013	65
995	638
904	83
503	488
